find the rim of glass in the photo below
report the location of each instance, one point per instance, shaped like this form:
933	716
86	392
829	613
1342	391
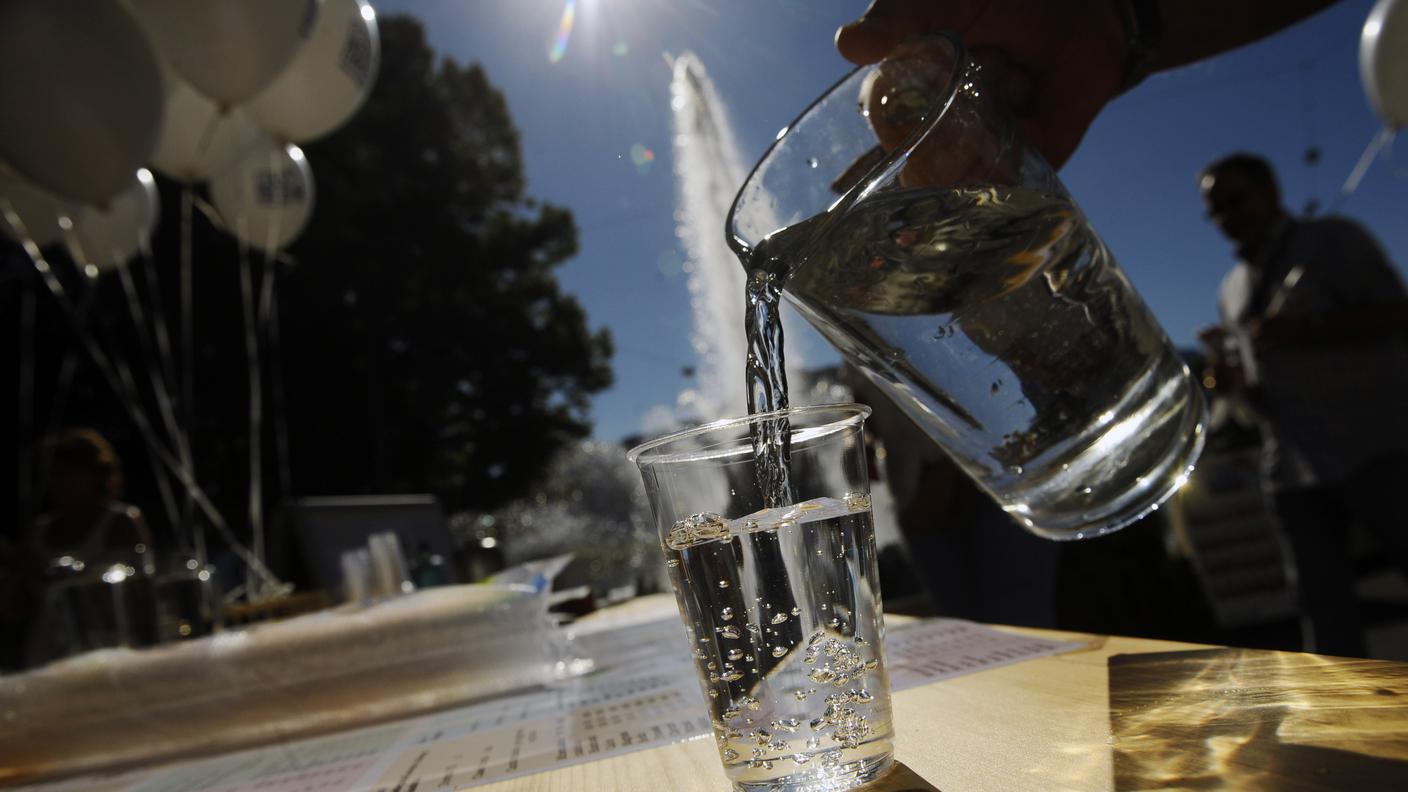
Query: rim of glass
858	190
851	413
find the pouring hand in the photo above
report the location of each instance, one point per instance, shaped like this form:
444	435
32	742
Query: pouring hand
1067	58
1063	61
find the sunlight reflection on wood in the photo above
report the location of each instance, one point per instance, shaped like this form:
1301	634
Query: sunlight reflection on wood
1249	719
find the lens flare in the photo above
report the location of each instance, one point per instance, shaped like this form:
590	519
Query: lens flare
564	32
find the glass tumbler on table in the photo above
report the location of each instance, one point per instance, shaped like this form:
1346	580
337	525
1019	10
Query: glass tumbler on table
781	605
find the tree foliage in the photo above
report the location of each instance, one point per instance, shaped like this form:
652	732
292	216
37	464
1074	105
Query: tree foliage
424	321
426	344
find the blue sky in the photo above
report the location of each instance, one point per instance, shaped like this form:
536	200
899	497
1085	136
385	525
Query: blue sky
580	116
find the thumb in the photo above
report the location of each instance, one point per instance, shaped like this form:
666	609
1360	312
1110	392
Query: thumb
867	39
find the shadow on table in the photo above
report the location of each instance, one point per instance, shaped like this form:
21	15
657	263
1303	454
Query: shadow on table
899	779
1252	719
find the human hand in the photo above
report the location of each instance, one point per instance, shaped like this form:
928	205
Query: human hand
1055	65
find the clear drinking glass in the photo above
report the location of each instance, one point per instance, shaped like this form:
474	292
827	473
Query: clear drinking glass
781	605
939	252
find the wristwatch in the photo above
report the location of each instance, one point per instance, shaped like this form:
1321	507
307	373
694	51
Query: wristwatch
1144	25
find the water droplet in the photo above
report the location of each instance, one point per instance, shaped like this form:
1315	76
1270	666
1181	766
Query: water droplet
735	654
800	759
729	754
779	618
727	631
729	713
996	387
812	163
796	611
801	694
1015	470
726	614
731	675
713	694
673	562
779	651
723	584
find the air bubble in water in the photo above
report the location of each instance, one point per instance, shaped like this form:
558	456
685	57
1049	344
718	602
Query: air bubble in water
726	614
779	651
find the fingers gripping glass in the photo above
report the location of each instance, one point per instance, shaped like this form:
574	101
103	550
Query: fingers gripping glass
939	252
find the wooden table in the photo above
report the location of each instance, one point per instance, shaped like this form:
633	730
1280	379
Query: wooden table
1202	717
1116	714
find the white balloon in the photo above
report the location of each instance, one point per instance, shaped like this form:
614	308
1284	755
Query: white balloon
40	212
197	140
1383	61
110	237
80	95
267	197
228	49
328	79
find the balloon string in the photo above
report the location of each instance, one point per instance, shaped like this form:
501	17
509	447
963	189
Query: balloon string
269	322
158	386
1371	152
266	297
187	531
29	341
135	411
160	331
188	362
256	409
208	134
67	369
132	392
